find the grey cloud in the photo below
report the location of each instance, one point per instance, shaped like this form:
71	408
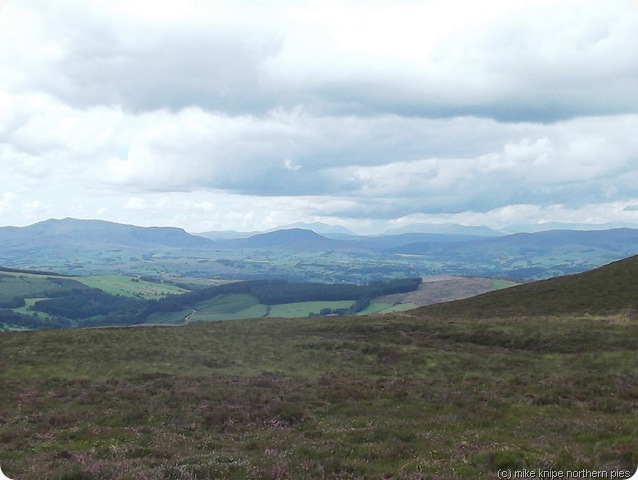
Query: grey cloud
423	164
96	55
539	63
212	72
433	165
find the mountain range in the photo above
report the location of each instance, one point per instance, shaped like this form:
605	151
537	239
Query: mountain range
74	246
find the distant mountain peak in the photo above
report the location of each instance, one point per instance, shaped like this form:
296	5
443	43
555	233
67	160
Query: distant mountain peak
317	227
292	238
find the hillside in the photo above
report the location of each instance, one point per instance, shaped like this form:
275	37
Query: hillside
330	231
531	255
91	234
406	397
541	241
292	239
84	247
609	289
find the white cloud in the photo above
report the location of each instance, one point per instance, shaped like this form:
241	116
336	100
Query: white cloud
531	217
35	209
516	59
135	203
6	202
519	60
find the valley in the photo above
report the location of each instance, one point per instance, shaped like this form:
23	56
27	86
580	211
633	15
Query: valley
40	300
104	272
90	247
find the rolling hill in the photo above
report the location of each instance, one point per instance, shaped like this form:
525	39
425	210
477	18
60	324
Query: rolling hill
88	234
71	246
548	241
290	239
610	289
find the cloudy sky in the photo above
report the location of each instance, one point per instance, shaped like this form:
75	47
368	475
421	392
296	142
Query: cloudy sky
248	114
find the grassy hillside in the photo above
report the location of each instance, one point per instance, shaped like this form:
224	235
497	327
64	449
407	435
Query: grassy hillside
25	298
14	285
399	397
130	286
609	289
21	284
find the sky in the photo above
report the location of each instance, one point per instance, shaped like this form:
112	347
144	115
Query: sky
250	114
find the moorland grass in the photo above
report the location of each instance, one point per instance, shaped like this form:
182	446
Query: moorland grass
406	396
605	290
383	307
19	285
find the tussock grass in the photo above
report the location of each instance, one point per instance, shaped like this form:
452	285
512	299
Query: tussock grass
405	396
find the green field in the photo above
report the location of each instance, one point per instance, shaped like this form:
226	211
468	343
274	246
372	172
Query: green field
500	284
237	306
243	306
14	285
228	307
234	306
380	307
29	302
304	309
129	286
